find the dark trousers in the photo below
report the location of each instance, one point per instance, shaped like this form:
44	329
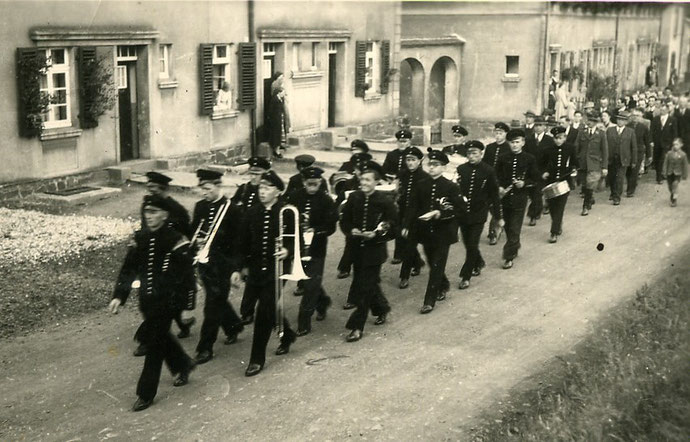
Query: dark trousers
410	257
366	293
514	215
493	227
178	321
218	311
266	321
536	205
345	263
314	297
437	256
616	177
556	210
632	174
673	181
399	247
657	161
248	303
473	257
161	346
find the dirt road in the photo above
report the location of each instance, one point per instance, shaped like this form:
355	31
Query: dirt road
415	378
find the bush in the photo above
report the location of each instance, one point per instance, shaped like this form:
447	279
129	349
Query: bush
599	86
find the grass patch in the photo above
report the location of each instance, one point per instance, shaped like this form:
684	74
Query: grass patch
628	381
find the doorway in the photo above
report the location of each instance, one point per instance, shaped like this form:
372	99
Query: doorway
127	102
332	63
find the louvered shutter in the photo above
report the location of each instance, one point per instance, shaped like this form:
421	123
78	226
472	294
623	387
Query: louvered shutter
360	68
28	91
385	65
247	76
86	57
207	95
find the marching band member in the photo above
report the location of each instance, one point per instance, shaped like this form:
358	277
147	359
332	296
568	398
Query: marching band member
297	181
356	146
319	216
410	179
491	154
367	219
561	163
258	260
477	181
392	166
431	220
536	146
592	157
458	147
159	259
515	172
222	261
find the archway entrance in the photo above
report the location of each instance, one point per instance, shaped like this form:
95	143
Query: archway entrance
443	95
412	91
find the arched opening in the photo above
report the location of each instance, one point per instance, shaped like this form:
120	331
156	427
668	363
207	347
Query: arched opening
412	91
443	95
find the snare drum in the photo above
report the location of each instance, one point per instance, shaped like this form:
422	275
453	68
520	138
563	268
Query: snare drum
556	189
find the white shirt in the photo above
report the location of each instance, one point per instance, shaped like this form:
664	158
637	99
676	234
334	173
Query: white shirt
663	120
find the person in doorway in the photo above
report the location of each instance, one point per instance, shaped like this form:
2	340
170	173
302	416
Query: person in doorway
278	122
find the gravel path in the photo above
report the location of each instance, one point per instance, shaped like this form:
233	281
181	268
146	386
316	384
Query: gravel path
417	377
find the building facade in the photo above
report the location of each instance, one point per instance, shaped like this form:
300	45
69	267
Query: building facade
155	79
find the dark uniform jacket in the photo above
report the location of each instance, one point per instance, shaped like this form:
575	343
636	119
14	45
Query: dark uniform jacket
224	248
365	212
571	136
623	145
520	166
247	196
460	149
662	137
409	181
394	163
296	182
560	162
162	263
258	242
349	184
493	151
644	140
178	217
592	150
537	149
319	212
683	121
435	194
478	184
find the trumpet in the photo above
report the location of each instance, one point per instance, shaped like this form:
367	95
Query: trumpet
297	270
202	256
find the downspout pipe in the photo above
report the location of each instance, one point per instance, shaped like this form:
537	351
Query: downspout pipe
542	83
252	112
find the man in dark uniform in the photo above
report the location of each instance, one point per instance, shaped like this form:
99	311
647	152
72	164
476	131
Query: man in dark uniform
368	219
247	195
159	259
216	212
178	219
392	166
318	216
356	146
561	163
478	184
458	147
592	158
258	258
432	220
410	179
491	154
515	172
536	148
297	181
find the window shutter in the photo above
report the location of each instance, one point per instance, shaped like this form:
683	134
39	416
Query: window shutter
247	76
86	57
385	65
360	68
28	92
207	96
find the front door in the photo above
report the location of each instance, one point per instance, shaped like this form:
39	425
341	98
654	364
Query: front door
126	78
331	88
268	69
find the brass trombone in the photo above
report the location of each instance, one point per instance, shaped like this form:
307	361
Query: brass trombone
297	271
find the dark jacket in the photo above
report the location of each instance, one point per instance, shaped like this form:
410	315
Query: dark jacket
560	162
644	140
592	150
277	121
246	196
296	182
537	150
435	194
394	163
493	151
318	212
366	213
683	121
521	166
460	149
571	137
409	182
224	248
162	263
624	145
178	217
662	137
478	184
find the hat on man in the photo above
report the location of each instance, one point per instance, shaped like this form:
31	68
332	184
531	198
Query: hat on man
208	176
413	151
593	115
437	155
403	134
588	105
311	172
502	126
623	115
372	166
459	130
304	160
555	131
359	144
540	120
270	178
529	113
158	178
475	144
157	201
514	134
258	164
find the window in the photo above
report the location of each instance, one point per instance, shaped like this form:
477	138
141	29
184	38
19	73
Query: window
221	76
55	83
512	65
373	72
270	48
314	55
126	53
296	48
332	48
164	61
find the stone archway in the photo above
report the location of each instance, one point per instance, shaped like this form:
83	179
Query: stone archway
443	90
412	91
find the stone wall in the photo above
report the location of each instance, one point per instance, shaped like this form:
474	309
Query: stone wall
25	188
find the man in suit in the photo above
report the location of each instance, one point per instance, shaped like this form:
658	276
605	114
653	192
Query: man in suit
682	115
536	147
529	124
622	143
592	158
664	129
491	154
577	120
644	149
570	131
